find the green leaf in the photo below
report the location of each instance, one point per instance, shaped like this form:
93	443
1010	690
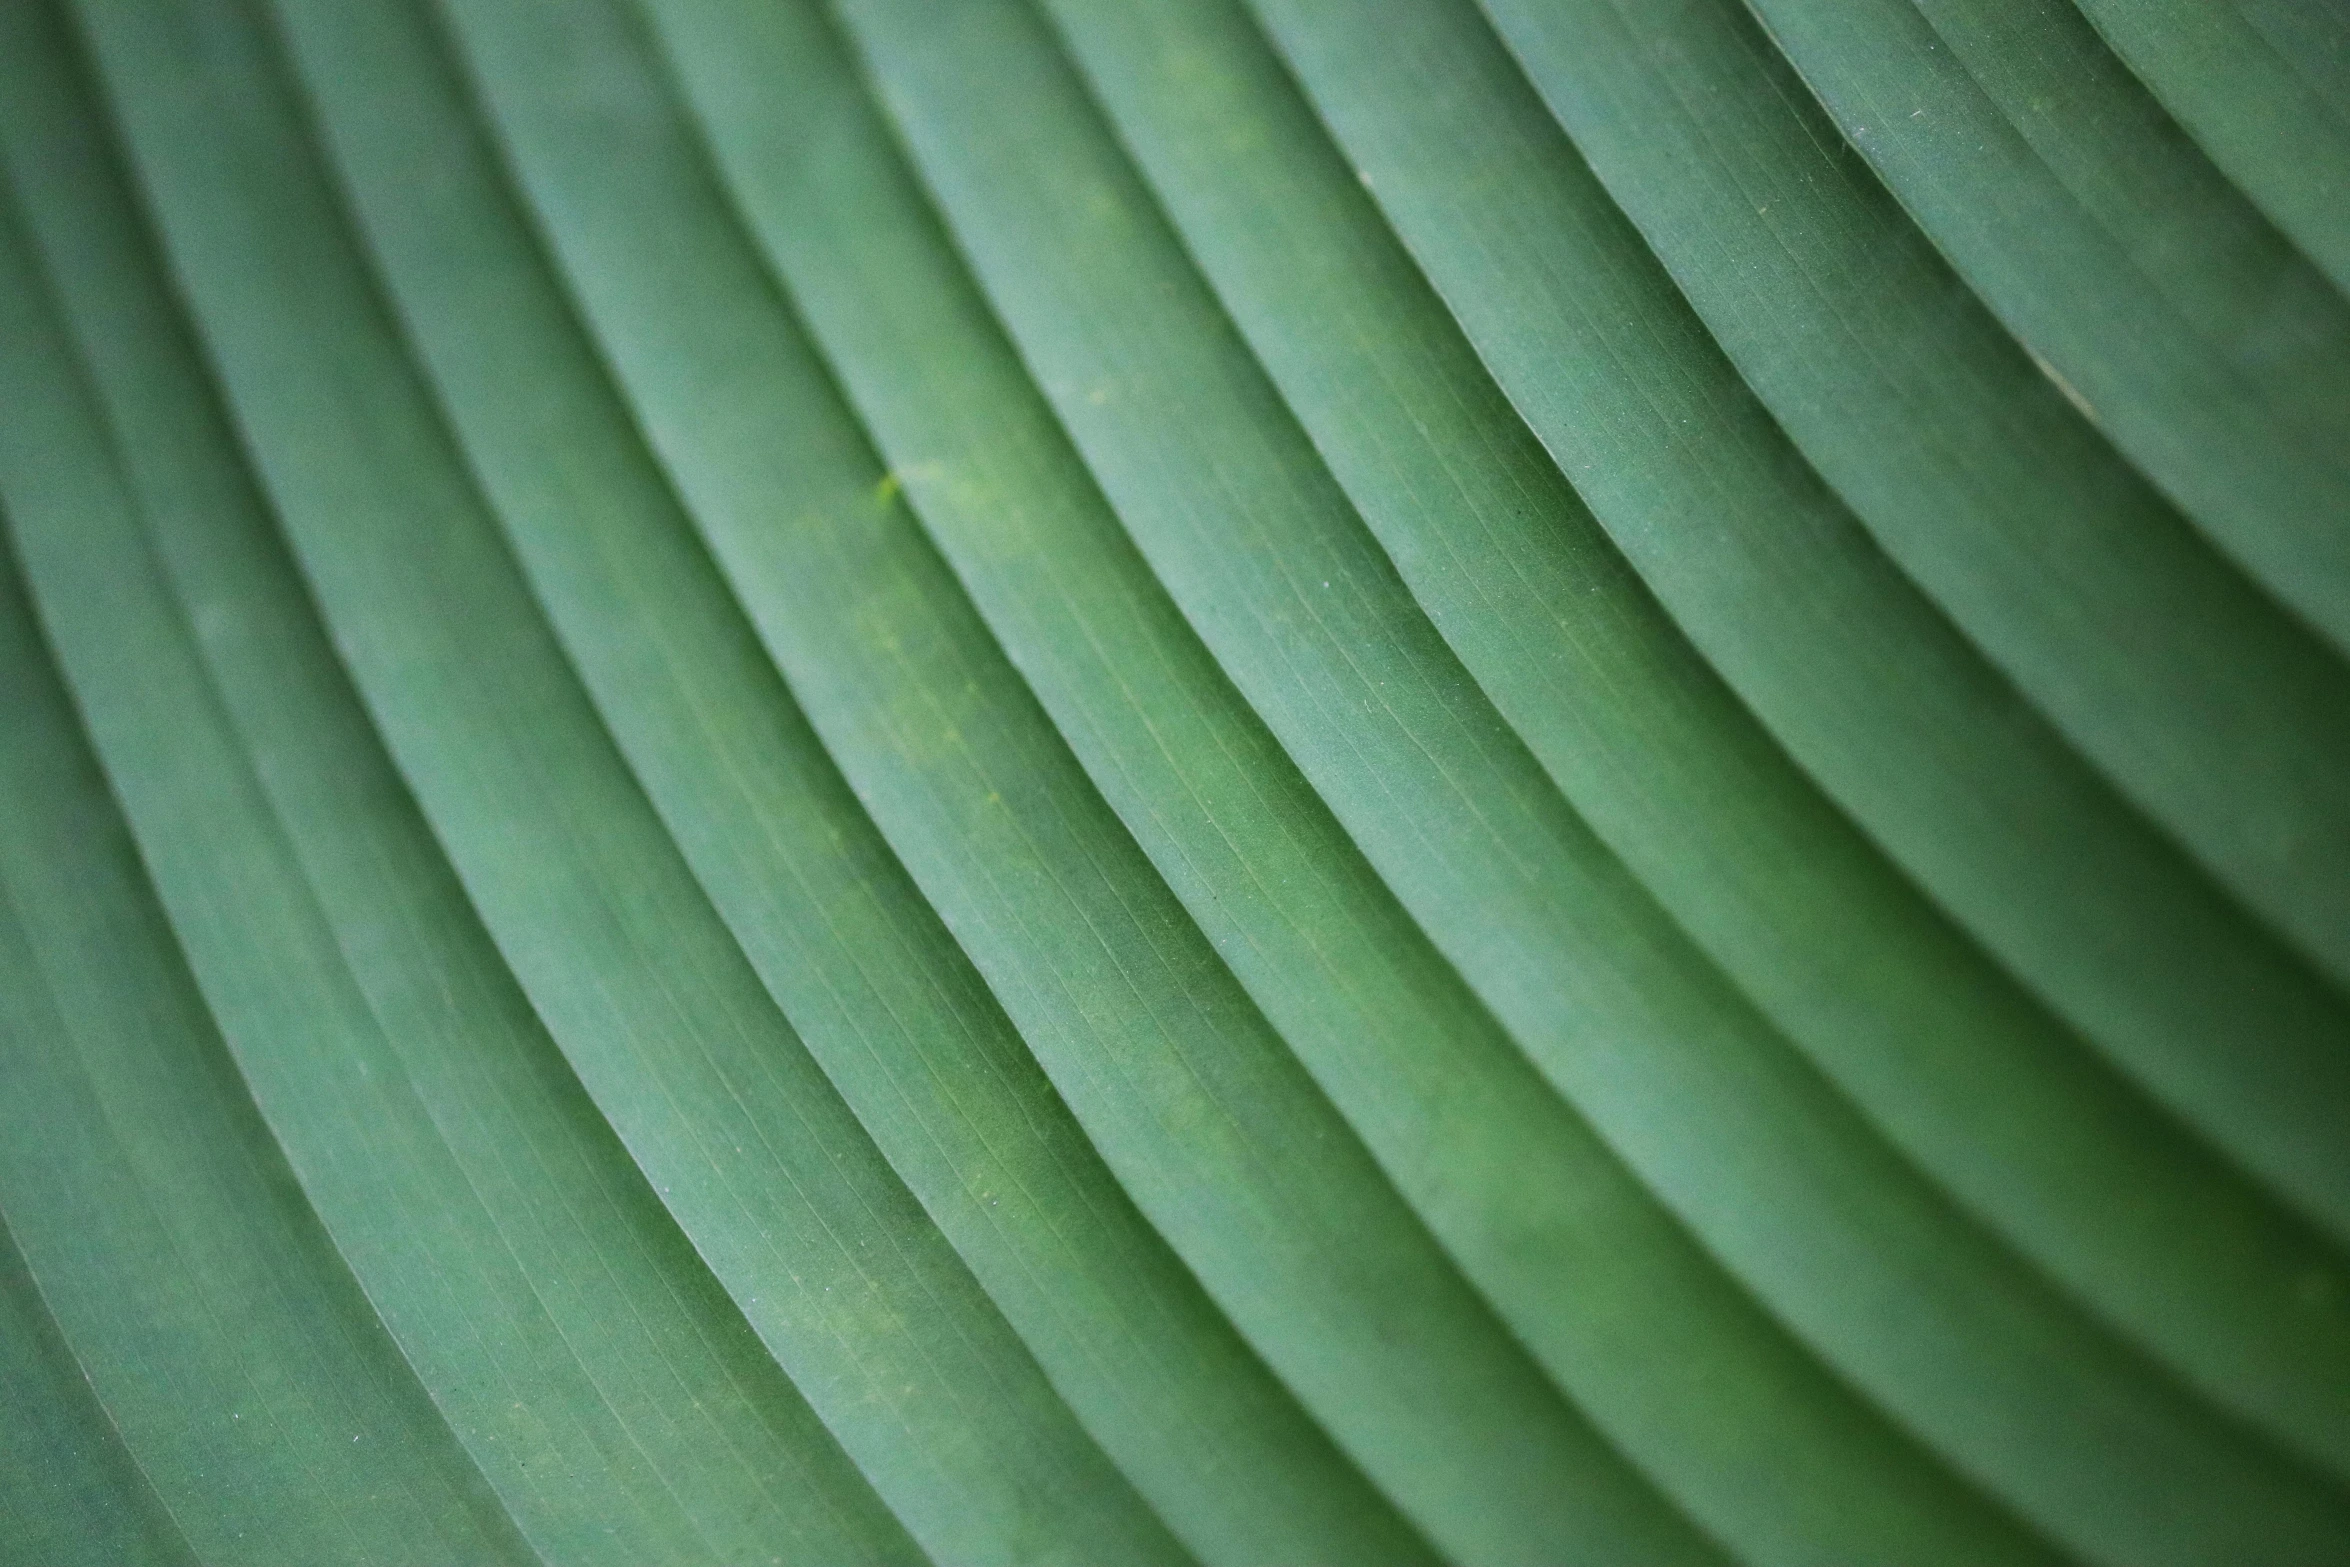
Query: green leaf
70	1492
390	1051
255	1392
2155	296
1665	1351
1858	677
1118	993
1247	780
2213	713
841	937
638	981
2259	83
1250	536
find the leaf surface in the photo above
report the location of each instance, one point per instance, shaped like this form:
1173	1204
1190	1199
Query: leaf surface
1034	782
637	979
